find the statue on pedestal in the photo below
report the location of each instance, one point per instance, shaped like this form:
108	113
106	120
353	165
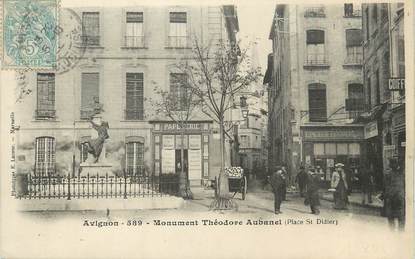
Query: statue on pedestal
95	145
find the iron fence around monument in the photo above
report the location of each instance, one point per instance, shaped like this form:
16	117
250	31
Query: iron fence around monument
96	186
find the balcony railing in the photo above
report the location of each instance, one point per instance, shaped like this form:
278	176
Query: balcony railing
354	59
89	40
134	114
316	60
134	41
314	12
353	13
178	42
45	114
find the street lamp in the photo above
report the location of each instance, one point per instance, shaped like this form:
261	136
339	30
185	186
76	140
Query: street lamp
245	113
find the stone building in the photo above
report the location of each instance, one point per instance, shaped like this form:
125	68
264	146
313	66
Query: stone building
315	86
383	59
119	56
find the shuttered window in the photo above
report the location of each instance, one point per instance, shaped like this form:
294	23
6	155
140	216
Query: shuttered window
178	29
134	30
134	96
178	91
315	47
45	156
317	102
135	158
354	37
89	93
355	91
90	28
45	95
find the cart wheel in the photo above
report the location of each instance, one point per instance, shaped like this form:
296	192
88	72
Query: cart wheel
244	188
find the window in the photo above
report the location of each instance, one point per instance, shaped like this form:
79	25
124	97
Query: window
355	91
89	94
351	10
134	36
342	149
134	96
242	101
315	11
330	149
178	30
135	158
354	149
90	28
179	91
45	156
354	46
45	96
318	149
315	47
317	102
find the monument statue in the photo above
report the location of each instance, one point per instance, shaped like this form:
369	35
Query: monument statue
95	145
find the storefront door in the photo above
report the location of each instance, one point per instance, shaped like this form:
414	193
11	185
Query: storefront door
178	161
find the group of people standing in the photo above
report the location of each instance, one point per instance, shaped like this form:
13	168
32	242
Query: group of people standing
309	184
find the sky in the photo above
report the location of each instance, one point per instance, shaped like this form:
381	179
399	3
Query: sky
254	25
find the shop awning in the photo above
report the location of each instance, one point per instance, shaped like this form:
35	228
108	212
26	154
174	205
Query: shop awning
371	115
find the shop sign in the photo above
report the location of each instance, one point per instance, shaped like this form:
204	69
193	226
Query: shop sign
177	127
371	129
333	134
398	120
403	144
168	141
194	142
396	84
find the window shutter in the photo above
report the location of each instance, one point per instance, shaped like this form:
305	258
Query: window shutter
134	17
45	92
90	90
90	23
317	102
135	96
354	38
178	17
315	37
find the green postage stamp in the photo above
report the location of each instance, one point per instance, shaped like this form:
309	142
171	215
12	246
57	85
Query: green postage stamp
29	34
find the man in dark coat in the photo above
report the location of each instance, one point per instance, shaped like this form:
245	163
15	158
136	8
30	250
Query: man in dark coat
301	179
395	194
277	182
313	182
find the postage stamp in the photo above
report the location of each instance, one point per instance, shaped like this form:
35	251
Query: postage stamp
29	34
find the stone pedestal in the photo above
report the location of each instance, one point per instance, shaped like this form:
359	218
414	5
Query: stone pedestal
100	169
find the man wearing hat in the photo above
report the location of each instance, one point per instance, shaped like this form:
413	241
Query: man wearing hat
277	182
313	183
395	194
339	186
301	179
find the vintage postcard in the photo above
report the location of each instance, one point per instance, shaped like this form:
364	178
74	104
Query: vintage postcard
155	129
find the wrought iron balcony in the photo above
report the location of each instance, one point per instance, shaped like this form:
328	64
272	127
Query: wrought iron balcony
356	59
318	60
315	12
45	114
353	13
178	42
134	41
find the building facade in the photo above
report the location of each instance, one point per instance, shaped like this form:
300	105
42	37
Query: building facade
315	86
122	55
383	60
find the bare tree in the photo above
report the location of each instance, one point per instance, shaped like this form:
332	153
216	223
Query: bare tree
179	106
215	74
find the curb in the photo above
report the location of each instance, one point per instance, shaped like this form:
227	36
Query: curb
368	206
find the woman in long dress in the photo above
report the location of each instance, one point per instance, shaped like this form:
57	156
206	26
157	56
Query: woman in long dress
339	184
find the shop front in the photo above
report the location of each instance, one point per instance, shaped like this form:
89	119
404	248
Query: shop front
171	142
324	146
399	132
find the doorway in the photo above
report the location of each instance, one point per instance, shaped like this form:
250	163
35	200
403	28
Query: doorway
178	161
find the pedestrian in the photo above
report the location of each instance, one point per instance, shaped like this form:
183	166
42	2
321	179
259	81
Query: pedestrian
366	183
312	184
301	180
395	194
277	182
339	184
286	182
